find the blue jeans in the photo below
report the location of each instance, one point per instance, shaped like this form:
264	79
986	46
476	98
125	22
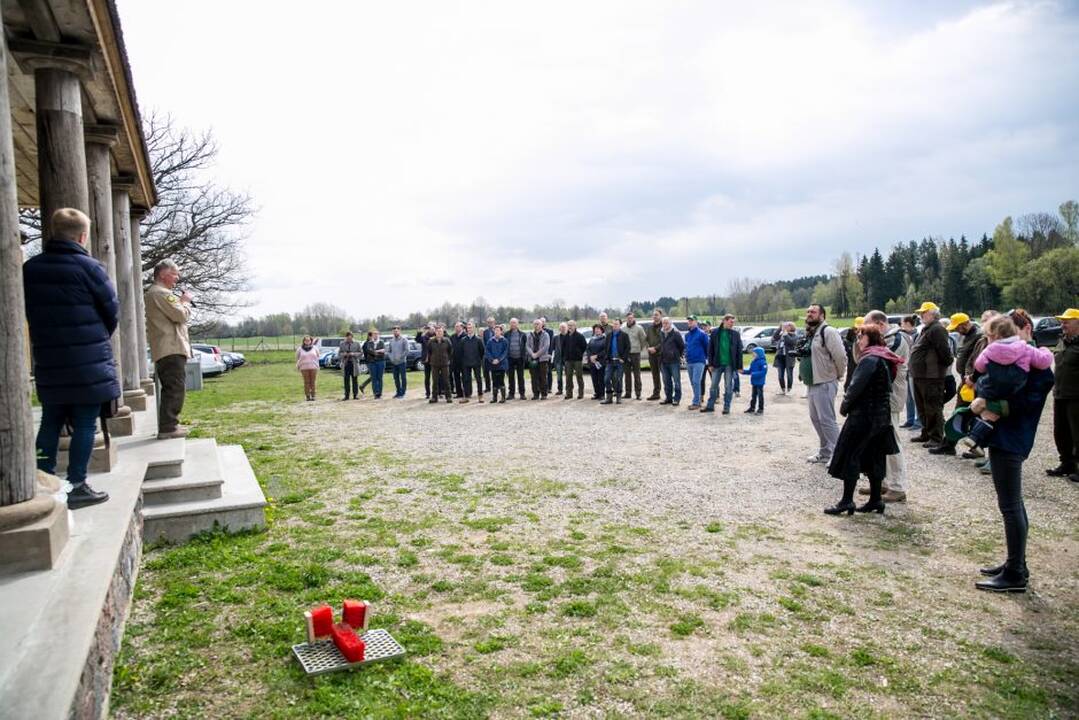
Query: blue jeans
912	409
612	379
696	372
400	379
728	375
672	381
785	370
83	424
377	369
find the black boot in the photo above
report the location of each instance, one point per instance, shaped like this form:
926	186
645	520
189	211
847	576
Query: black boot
1061	470
1005	581
83	495
997	570
841	507
608	401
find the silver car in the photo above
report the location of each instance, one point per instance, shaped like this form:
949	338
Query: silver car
755	337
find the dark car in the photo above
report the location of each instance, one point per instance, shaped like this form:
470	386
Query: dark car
233	359
1047	331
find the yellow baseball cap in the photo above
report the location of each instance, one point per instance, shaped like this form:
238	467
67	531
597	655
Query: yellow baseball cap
927	306
957	320
859	321
1069	314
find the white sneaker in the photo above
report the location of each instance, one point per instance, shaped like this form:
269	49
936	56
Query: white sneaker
815	459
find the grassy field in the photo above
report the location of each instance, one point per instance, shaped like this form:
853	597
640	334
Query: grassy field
508	609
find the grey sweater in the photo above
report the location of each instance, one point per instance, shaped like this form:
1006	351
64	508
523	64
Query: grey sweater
397	350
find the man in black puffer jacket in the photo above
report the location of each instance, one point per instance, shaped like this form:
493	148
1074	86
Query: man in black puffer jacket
72	310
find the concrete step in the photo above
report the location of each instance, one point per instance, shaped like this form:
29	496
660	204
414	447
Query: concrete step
200	477
164	458
241	505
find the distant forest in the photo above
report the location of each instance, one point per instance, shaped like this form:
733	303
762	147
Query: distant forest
1031	262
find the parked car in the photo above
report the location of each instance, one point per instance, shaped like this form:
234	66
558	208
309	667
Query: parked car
327	358
211	364
213	351
1047	331
329	343
232	359
755	337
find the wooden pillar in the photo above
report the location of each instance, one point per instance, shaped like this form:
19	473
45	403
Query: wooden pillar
17	458
137	214
134	397
61	159
33	523
103	239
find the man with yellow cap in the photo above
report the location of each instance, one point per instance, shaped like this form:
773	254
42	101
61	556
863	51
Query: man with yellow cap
929	361
964	365
1066	397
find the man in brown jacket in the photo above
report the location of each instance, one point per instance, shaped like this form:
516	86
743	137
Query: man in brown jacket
930	359
167	315
439	356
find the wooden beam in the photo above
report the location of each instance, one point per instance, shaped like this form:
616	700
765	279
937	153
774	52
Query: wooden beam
42	22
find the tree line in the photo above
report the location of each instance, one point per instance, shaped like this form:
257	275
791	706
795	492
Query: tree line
1032	261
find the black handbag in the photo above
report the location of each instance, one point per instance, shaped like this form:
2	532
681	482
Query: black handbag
109	409
950	388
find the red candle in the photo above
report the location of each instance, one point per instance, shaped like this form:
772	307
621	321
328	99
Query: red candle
355	614
348	642
322	621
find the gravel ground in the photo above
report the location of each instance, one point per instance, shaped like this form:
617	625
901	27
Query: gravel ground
669	472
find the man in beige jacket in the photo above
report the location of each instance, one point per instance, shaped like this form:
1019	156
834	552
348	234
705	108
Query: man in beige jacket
167	315
638	340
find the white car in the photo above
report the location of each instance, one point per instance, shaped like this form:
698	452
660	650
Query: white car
210	366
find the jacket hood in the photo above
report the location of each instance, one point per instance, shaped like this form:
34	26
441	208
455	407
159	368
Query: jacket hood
758	352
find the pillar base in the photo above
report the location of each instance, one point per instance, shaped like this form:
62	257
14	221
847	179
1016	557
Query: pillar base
102	459
147	386
135	399
35	546
122	425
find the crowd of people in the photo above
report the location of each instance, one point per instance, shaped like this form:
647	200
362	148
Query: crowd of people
998	379
997	376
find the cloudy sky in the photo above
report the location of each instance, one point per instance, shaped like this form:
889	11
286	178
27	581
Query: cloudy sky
408	153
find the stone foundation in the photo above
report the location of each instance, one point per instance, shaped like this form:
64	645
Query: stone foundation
91	699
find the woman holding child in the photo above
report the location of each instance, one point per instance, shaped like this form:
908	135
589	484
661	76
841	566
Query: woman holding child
1014	381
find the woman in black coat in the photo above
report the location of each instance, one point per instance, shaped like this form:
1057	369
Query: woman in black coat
866	438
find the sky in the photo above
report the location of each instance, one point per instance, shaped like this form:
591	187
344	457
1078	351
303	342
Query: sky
411	153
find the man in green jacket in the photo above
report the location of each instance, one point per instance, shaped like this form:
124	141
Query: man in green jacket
1066	398
653	337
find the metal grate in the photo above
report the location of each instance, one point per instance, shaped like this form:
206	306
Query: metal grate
323	656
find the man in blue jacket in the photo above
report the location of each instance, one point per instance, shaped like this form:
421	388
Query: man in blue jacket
725	359
696	356
617	357
72	310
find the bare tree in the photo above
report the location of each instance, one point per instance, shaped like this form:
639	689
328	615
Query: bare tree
196	222
1043	232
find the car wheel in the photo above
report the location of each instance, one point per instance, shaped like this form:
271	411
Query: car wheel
361	369
418	366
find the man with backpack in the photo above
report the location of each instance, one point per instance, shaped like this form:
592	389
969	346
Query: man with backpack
822	360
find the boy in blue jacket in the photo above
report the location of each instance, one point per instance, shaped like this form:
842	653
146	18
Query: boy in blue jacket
758	375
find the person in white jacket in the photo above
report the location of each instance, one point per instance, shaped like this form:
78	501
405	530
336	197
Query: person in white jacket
821	365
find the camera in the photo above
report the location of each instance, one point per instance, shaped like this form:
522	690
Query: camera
801	347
